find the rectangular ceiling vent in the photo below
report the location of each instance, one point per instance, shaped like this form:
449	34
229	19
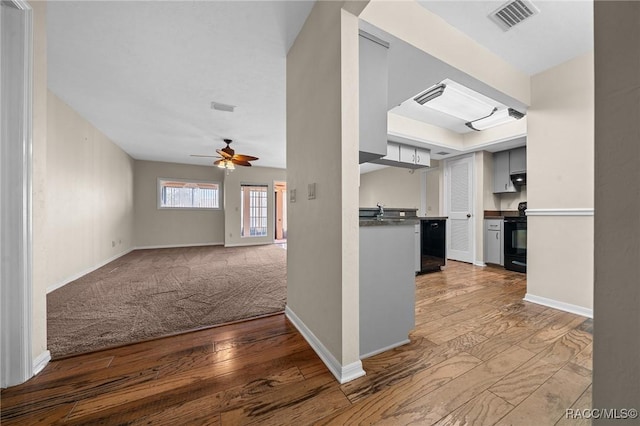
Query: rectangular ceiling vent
443	153
513	13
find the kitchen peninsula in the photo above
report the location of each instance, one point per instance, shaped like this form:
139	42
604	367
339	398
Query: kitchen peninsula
387	278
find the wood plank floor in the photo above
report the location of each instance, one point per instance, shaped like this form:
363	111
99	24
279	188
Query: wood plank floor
479	355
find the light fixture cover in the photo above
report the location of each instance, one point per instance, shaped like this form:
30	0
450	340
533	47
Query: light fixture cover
456	101
499	117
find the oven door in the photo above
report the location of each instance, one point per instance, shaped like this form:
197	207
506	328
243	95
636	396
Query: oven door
515	244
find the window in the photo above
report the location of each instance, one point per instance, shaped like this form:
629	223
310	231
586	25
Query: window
254	210
188	194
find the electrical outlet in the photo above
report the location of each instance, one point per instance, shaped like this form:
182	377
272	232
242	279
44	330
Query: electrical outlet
113	243
311	191
292	195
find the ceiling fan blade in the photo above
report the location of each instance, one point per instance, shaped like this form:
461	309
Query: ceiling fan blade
243	157
240	162
197	155
223	153
215	163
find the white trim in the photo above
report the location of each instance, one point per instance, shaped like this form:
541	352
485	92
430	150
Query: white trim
479	263
563	306
74	277
162	246
265	243
379	351
342	373
41	362
559	212
16	133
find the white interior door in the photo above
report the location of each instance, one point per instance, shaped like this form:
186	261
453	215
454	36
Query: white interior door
459	198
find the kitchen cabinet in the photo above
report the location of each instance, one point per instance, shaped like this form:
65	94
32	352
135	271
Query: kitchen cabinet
493	242
501	173
407	156
518	160
373	96
387	284
415	156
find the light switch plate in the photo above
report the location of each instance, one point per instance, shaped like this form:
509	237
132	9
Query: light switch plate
292	195
312	191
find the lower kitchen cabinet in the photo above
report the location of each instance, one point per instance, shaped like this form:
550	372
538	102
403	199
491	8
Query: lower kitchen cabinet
493	242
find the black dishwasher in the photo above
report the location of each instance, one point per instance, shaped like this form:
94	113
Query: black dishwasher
432	244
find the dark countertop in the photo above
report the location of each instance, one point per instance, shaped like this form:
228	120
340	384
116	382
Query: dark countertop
433	217
497	214
387	221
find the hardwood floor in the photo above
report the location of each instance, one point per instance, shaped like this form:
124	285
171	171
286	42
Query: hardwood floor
479	355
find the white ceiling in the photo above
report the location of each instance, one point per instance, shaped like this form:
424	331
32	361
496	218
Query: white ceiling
146	72
561	31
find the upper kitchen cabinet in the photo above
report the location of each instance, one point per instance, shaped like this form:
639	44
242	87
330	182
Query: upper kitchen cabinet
414	157
501	173
518	160
406	156
508	165
374	77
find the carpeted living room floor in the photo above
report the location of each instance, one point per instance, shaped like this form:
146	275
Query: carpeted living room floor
159	292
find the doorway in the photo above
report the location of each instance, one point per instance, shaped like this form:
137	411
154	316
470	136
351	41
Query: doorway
280	214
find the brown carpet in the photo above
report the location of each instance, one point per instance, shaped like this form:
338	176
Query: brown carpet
153	293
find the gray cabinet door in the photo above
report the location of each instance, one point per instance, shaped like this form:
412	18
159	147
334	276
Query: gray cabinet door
518	160
373	98
501	176
493	242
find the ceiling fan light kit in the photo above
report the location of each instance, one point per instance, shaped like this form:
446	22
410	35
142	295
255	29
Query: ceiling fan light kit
228	159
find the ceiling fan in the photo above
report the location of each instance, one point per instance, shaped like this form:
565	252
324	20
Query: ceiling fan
228	159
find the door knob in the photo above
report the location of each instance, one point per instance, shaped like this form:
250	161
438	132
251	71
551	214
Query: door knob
468	215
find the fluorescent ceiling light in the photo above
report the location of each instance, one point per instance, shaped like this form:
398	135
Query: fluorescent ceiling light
455	100
498	117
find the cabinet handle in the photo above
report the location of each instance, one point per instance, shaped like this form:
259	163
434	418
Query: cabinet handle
497	236
418	159
505	186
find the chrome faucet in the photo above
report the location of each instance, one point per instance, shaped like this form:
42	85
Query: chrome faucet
380	210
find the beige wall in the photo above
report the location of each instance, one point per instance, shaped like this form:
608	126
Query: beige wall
509	201
40	251
89	200
393	187
322	148
173	227
232	202
560	177
434	182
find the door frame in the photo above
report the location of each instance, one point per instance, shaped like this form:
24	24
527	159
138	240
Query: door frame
16	69
474	203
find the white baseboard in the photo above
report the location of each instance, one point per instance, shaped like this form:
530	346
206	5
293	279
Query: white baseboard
86	271
479	263
41	361
567	307
342	373
176	246
379	351
264	243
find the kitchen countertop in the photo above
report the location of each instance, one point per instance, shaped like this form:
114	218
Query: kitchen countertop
433	217
497	214
391	221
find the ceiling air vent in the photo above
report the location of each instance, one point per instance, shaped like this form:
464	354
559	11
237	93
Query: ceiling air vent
443	153
512	13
